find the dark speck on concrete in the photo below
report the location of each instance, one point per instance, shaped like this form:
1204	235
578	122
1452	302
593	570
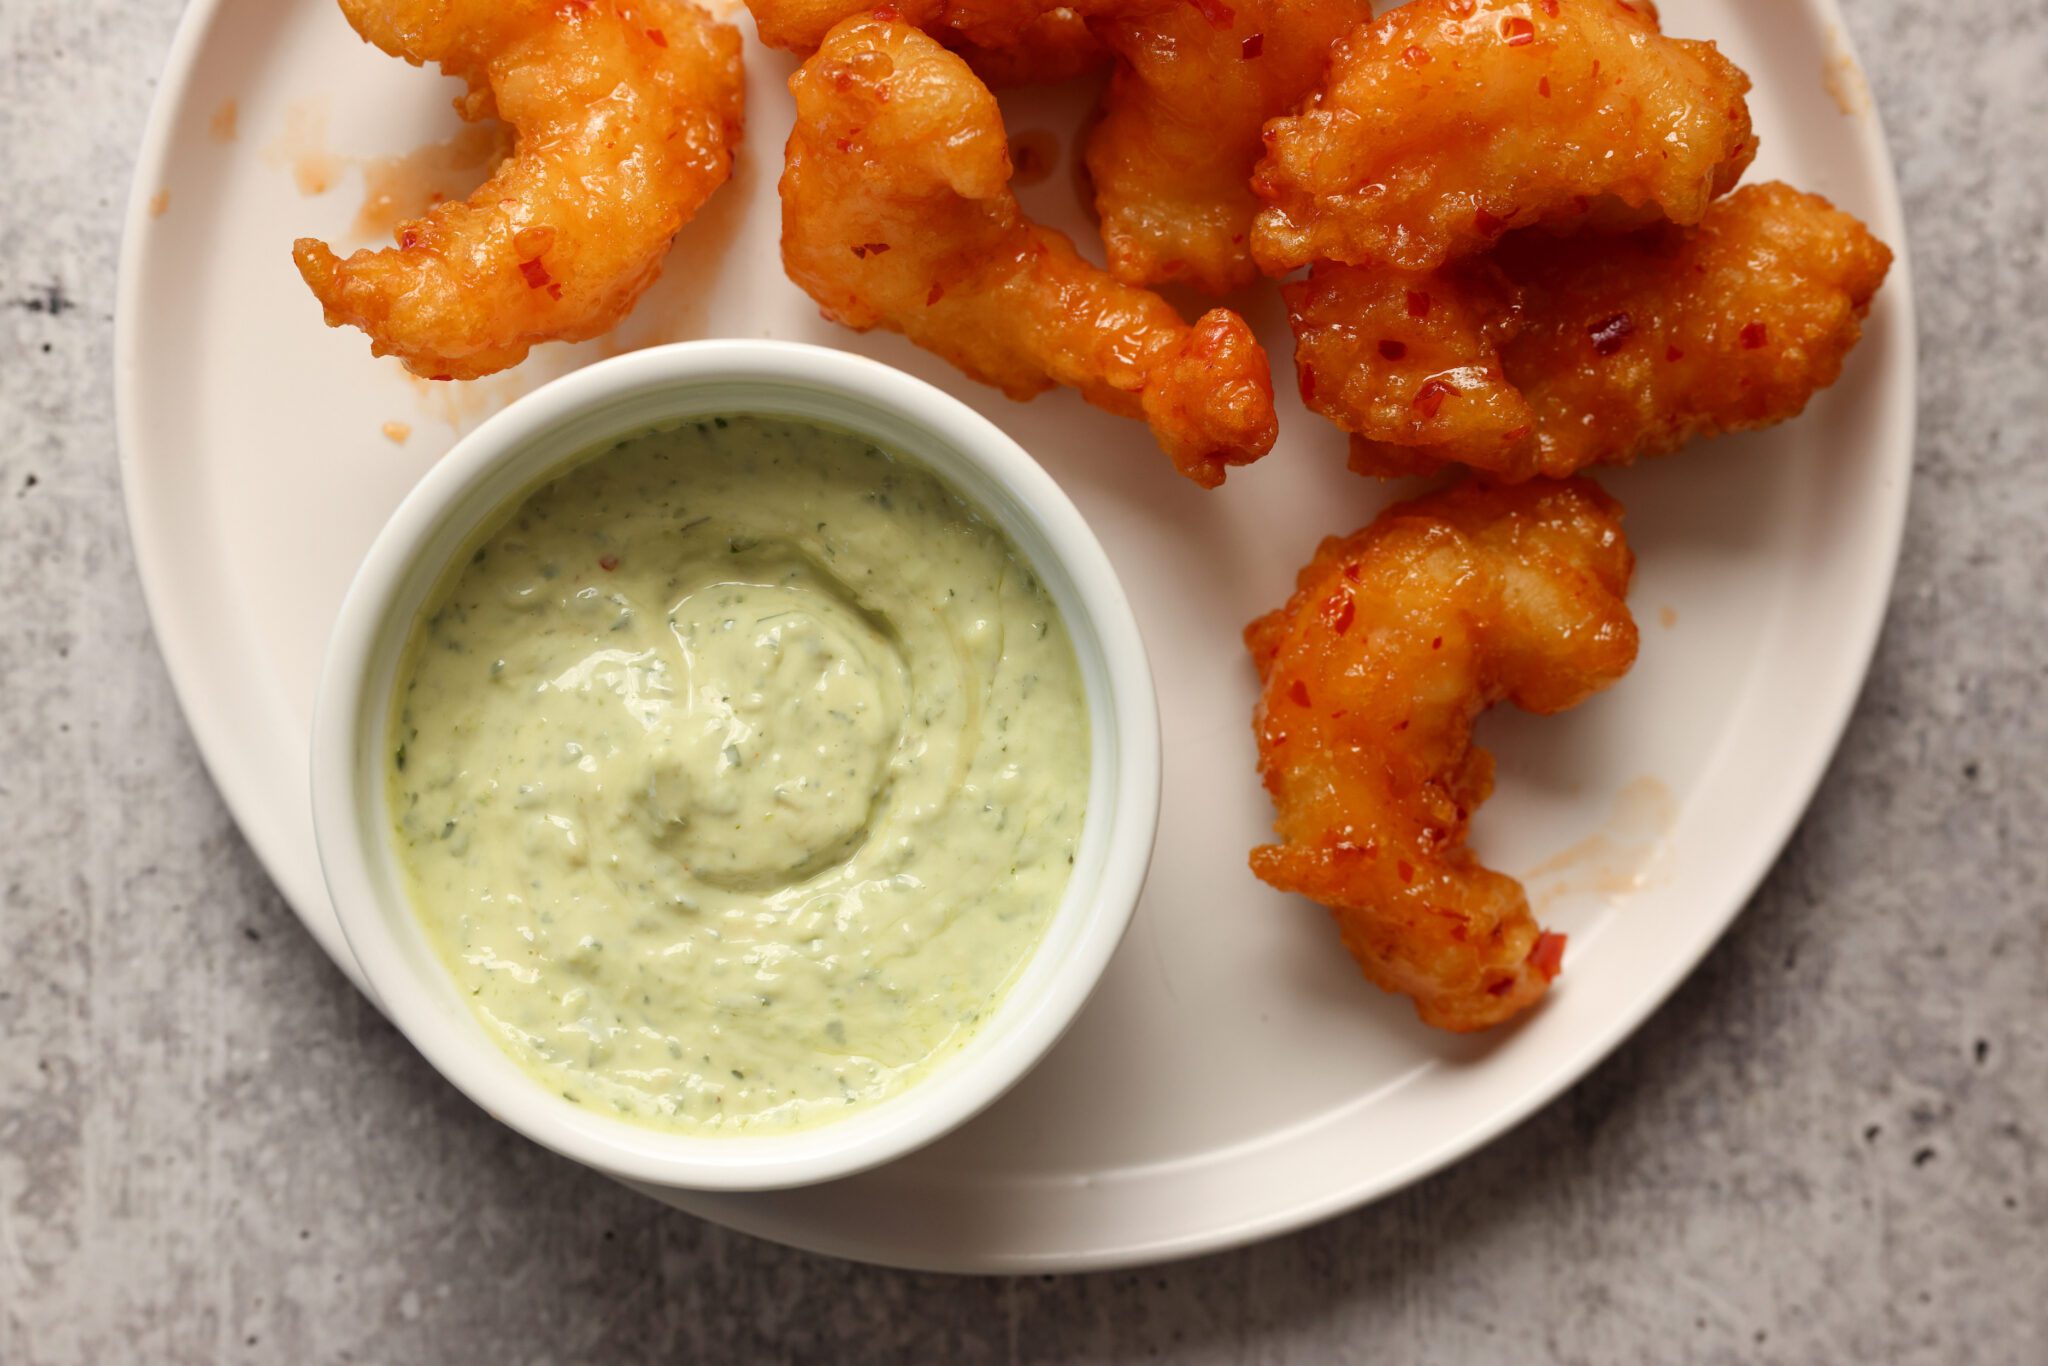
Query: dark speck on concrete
1970	770
1981	1051
29	482
1922	1157
1870	1134
50	299
249	933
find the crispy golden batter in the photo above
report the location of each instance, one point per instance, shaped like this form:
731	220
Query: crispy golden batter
897	212
1552	356
1410	358
626	119
1446	122
1056	46
1396	638
1172	156
801	25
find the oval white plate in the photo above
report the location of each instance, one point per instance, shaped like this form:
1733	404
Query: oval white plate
1234	1077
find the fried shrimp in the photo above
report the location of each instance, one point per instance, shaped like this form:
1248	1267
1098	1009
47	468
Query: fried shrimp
897	213
1553	356
626	119
1396	639
1172	157
1444	123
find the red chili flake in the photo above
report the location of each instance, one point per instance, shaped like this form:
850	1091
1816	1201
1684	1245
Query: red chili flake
1550	8
409	238
1543	87
1672	353
1500	986
536	274
1754	336
1351	572
1518	32
1437	644
607	563
1418	304
1611	334
554	290
936	293
1252	46
1338	612
1216	12
441	377
1298	694
1489	224
1548	955
1406	870
657	37
888	14
844	144
1430	397
1624	4
1392	349
1415	56
1306	376
877	248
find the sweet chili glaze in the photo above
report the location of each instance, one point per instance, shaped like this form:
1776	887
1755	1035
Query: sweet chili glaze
737	774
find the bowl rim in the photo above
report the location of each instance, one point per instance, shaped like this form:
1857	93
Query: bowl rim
350	709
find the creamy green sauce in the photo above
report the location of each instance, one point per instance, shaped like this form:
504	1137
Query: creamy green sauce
737	774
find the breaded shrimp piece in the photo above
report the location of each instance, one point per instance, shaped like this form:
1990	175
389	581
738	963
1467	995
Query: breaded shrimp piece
1411	358
1172	157
897	213
1444	123
1055	46
626	118
1172	154
1396	639
1553	356
800	26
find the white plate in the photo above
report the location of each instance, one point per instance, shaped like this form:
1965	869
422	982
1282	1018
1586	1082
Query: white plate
1234	1077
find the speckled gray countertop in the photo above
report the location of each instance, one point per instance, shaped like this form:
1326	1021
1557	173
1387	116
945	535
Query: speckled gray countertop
1828	1147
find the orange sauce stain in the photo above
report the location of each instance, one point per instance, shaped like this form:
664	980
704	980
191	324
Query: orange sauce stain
398	188
1843	79
221	127
1630	853
158	203
302	147
1667	617
1033	154
397	432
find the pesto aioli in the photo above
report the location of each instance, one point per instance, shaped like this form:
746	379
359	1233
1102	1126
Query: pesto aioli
737	774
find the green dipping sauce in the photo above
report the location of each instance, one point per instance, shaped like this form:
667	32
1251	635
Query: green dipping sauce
737	775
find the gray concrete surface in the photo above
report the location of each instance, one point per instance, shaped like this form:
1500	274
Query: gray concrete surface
1828	1147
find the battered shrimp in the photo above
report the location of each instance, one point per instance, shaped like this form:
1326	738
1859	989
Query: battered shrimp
626	117
1444	123
1396	638
1553	356
1172	156
897	212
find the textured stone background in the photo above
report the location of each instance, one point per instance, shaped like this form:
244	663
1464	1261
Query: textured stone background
1828	1147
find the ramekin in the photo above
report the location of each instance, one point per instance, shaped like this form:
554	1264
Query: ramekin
503	459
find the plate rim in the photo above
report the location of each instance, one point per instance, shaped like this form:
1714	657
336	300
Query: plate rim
184	671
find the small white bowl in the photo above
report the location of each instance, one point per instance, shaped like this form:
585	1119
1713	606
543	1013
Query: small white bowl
502	461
